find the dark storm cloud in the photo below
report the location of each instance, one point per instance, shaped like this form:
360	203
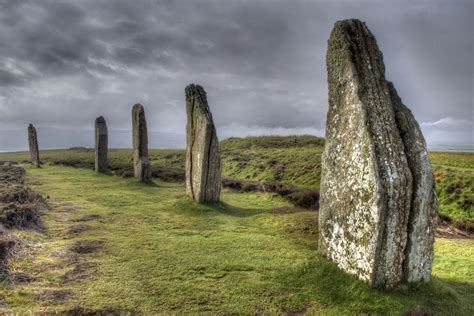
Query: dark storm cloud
262	62
9	79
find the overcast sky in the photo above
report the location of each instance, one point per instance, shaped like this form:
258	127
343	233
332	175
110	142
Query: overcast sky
262	63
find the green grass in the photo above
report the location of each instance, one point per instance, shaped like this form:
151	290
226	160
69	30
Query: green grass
292	160
162	253
454	174
453	159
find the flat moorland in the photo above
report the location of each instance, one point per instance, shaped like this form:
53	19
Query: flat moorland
290	160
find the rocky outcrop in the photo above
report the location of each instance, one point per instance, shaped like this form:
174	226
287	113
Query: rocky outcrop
33	144
141	162
101	139
203	163
368	187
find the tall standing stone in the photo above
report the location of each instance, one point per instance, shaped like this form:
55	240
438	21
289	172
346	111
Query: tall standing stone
141	162
203	163
101	145
33	144
369	211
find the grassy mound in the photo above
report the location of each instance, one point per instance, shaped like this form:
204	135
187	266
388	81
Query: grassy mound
292	160
234	143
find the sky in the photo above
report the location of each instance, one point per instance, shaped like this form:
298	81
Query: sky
262	63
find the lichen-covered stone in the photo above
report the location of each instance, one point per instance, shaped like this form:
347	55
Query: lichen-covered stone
101	140
33	144
141	162
422	220
203	163
367	185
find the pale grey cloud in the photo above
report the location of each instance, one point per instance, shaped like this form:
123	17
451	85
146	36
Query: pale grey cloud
449	123
450	131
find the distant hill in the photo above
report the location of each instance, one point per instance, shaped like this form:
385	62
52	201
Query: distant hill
293	160
272	142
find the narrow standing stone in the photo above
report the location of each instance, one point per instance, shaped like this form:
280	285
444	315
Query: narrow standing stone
203	163
368	214
33	143
101	140
141	162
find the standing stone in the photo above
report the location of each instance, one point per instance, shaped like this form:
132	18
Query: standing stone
419	251
33	143
101	145
141	162
203	163
369	211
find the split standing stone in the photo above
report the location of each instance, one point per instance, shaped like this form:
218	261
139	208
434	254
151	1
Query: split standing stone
101	145
203	163
141	162
33	144
419	251
368	201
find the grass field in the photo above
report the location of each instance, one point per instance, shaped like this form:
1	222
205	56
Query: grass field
454	174
291	160
111	244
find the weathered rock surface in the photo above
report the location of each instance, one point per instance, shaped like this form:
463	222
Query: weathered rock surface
33	144
367	184
101	145
423	212
203	162
141	162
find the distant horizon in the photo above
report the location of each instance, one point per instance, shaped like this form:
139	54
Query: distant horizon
121	139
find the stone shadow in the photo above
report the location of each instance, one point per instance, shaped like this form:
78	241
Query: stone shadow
320	281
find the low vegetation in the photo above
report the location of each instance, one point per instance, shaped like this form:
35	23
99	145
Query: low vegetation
114	245
20	207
